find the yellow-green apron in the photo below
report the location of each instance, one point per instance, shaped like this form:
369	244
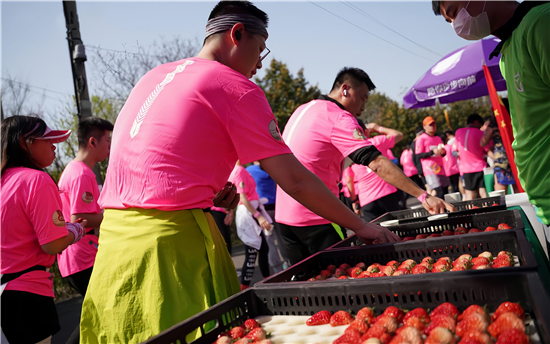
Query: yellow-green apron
154	269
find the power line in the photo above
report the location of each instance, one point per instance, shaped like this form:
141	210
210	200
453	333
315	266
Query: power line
29	85
122	51
370	33
387	27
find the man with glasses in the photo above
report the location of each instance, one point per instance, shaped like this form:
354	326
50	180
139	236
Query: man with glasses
429	149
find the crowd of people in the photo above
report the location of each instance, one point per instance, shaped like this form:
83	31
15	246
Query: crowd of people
162	253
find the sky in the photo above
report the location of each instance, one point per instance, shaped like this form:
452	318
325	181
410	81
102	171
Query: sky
394	42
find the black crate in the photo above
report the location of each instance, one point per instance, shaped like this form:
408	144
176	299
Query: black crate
463	208
480	221
512	240
491	290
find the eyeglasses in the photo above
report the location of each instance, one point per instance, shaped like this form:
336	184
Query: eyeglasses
264	52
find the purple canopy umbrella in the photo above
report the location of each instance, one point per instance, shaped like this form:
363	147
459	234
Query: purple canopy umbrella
458	76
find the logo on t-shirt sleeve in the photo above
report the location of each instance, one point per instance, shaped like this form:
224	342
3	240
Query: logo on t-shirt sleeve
58	218
358	134
274	130
87	197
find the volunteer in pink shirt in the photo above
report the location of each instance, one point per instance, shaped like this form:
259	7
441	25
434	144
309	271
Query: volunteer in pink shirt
33	230
376	196
450	162
160	251
322	133
429	148
473	144
251	221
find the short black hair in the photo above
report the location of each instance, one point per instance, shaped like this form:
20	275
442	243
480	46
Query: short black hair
448	132
238	7
92	127
356	75
418	129
436	7
474	117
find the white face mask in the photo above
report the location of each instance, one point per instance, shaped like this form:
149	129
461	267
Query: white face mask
471	28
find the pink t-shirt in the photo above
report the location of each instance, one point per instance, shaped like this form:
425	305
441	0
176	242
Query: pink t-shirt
348	173
371	186
244	182
449	161
321	135
470	152
79	194
388	154
182	129
31	217
433	164
407	162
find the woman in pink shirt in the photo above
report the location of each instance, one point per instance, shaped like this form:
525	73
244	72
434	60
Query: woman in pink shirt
33	230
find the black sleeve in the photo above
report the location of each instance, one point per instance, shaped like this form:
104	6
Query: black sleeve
364	156
425	155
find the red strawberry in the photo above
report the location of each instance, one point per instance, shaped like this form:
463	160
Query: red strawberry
459	268
440	268
366	315
224	340
312	279
447	260
395	312
361	265
339	272
376	331
319	278
495	205
503	226
359	325
393	263
408	264
505	254
475	207
373	268
471	310
364	274
440	335
389	322
461	230
341	318
506	307
407	239
475	230
419	313
426	265
237	332
401	272
512	336
326	274
331	268
447	233
428	260
505	321
378	274
420	269
256	334
388	270
502	263
490	229
344	266
421	236
440	320
243	341
251	324
343	277
481	267
480	261
319	318
473	321
354	272
434	235
476	336
408	335
446	309
350	336
487	255
415	322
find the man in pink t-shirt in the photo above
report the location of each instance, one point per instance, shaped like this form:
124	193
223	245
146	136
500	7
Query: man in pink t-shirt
450	162
79	193
429	148
322	133
472	145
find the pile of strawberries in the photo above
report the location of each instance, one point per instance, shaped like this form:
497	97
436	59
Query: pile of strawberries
249	332
457	231
442	326
428	265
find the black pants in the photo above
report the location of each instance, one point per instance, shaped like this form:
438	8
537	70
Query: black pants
454	179
441	191
302	242
28	317
250	255
381	206
224	229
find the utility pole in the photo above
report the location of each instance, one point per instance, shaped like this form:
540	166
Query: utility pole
77	56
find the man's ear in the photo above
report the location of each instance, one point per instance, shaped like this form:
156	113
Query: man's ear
92	141
236	33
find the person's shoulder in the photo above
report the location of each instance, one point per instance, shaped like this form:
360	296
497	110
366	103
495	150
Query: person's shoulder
30	176
537	13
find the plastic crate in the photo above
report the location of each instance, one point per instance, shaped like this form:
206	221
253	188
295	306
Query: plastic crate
481	221
512	240
491	290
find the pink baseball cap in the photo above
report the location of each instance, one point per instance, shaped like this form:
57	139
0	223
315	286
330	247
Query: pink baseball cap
56	136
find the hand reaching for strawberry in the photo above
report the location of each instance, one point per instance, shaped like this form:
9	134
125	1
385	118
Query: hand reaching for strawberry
374	234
